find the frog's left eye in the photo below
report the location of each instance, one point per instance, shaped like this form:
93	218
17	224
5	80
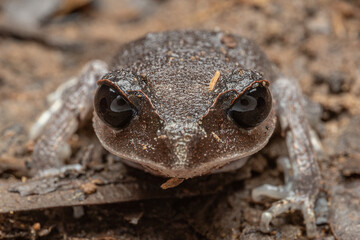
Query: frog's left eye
252	107
112	108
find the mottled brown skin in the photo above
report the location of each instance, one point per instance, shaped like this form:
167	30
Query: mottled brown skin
166	76
182	128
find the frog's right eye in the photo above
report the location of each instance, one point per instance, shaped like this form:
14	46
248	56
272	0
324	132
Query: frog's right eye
112	107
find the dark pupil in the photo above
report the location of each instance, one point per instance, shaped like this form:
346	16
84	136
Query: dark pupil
251	108
112	108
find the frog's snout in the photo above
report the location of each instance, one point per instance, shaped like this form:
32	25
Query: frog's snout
181	138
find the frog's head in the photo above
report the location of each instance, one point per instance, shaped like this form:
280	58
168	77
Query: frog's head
183	130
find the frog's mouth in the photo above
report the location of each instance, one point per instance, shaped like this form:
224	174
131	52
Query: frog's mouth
223	165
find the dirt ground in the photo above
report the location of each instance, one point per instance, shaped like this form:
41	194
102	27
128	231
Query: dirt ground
317	42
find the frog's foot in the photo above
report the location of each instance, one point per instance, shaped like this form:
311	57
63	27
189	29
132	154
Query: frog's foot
292	199
303	203
54	178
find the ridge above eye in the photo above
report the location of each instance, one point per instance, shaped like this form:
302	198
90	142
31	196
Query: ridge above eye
112	107
252	107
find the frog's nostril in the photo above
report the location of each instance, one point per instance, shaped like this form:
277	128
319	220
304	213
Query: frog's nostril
187	138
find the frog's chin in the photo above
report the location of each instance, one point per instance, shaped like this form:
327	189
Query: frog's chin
186	172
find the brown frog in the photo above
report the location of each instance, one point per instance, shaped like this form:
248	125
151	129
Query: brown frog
181	104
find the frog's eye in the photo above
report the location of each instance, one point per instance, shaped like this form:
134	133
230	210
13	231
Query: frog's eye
112	108
252	107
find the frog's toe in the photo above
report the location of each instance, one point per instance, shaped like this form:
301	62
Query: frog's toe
267	190
276	192
60	170
293	203
309	218
278	208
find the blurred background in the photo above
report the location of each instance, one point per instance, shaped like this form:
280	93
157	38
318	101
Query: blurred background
45	42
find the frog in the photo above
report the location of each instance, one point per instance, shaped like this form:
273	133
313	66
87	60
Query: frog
186	103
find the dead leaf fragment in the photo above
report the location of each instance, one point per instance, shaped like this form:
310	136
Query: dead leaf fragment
36	226
214	80
88	188
172	182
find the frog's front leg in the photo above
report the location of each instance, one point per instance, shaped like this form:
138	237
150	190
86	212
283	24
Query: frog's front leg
302	176
56	125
